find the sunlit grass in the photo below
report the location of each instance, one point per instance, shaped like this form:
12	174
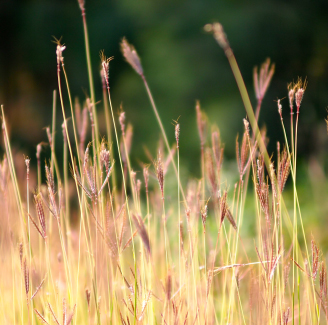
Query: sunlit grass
100	241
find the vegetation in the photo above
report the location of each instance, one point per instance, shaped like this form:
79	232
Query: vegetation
100	242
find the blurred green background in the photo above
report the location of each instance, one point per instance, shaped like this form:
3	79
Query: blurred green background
182	64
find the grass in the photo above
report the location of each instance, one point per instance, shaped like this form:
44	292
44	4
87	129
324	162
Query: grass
97	246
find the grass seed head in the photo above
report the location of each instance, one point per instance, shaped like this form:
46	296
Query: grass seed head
279	108
104	156
300	89
219	34
262	79
26	277
81	4
159	173
291	95
177	134
105	66
131	56
59	52
146	177
122	122
41	215
21	253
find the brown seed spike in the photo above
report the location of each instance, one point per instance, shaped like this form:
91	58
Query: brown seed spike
21	253
323	285
177	134
315	258
105	66
131	56
88	295
26	277
231	219
40	213
210	170
142	231
301	86
284	169
223	206
159	172
168	288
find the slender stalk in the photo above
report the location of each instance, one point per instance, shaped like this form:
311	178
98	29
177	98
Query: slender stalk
163	133
88	57
53	128
179	215
108	125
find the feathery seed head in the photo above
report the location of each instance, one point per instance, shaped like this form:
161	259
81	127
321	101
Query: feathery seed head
105	66
219	34
279	108
301	86
146	176
41	215
299	96
122	121
262	79
21	253
104	156
291	94
50	179
26	277
246	124
59	52
131	56
81	4
177	133
159	172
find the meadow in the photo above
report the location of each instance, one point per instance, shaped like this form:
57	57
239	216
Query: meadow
92	236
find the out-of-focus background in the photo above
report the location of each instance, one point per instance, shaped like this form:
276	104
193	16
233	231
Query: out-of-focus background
182	64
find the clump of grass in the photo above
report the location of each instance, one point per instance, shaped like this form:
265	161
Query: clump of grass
146	260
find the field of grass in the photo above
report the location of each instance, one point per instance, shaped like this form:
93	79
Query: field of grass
98	240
